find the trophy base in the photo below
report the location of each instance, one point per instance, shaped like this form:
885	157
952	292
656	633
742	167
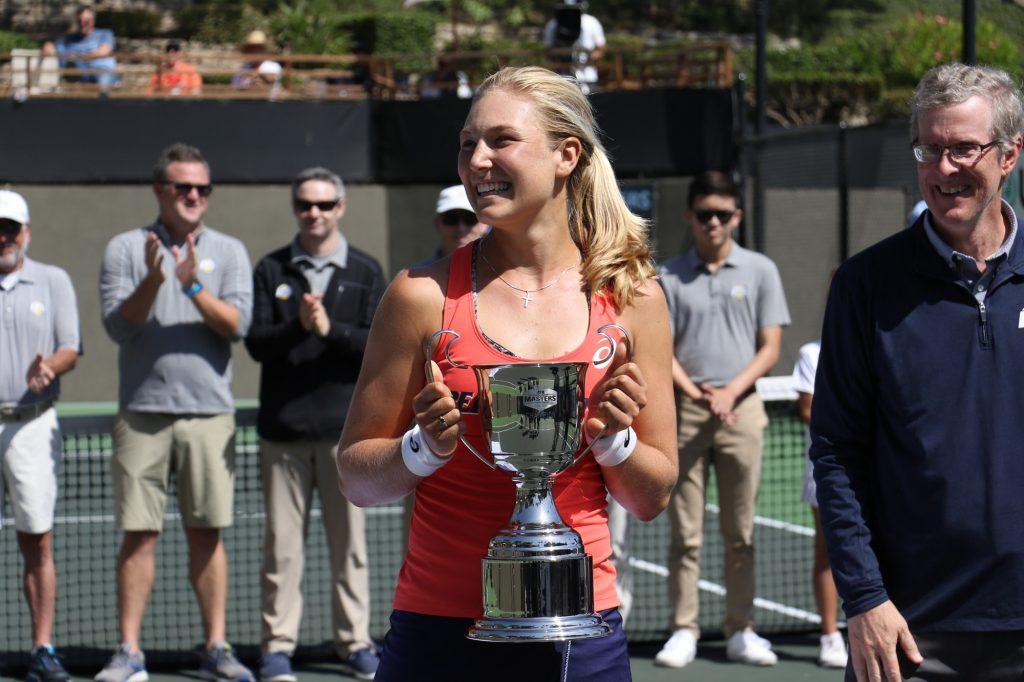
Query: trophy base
512	630
540	600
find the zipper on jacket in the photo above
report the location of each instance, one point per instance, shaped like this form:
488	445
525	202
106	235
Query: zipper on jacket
984	332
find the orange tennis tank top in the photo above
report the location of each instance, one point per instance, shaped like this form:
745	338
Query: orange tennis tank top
462	505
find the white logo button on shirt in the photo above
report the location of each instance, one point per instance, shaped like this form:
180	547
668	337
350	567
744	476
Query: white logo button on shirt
283	292
1020	319
738	292
36	308
207	266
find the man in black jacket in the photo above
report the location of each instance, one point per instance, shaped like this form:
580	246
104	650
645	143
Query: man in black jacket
916	425
313	302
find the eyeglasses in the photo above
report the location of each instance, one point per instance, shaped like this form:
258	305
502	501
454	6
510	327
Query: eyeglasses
185	188
453	218
964	152
305	206
705	216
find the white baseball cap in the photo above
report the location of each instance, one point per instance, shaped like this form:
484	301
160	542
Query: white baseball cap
13	207
269	68
452	199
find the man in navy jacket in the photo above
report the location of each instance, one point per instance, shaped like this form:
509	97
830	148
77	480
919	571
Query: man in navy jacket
918	413
313	302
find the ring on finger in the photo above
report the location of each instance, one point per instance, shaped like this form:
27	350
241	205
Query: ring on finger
444	424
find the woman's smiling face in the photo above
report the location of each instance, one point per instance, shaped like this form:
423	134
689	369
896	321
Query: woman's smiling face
506	161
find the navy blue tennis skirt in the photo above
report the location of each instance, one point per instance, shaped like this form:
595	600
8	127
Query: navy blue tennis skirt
421	648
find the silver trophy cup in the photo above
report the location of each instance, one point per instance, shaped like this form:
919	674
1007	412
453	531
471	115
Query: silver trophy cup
538	580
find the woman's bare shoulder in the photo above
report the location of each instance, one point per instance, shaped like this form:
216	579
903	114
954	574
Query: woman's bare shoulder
413	304
649	301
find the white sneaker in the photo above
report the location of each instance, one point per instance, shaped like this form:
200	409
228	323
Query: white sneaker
833	651
746	646
679	650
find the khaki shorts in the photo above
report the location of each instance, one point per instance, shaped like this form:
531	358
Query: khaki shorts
200	449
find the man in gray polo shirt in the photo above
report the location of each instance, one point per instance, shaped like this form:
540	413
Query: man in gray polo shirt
174	296
39	341
727	310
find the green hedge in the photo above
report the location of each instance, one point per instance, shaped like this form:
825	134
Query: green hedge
868	72
218	22
10	41
408	33
310	27
129	23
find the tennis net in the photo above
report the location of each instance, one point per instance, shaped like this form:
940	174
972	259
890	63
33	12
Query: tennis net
86	542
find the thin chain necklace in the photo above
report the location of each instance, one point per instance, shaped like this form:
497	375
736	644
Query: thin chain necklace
526	292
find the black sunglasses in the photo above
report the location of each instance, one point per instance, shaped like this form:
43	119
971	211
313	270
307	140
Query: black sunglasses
453	218
10	228
304	206
185	188
705	216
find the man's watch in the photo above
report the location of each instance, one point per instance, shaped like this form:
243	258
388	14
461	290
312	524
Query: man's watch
192	290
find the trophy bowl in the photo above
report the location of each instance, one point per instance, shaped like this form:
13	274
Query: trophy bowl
538	580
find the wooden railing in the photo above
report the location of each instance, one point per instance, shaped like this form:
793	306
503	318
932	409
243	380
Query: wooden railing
26	73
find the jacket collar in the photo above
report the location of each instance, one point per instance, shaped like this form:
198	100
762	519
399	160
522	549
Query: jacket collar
927	261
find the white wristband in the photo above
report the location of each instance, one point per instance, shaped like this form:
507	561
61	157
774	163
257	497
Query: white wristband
615	448
417	455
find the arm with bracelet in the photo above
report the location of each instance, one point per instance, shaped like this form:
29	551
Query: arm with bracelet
220	315
635	405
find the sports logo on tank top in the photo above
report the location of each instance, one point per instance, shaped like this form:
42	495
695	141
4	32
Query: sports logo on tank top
603	355
465	401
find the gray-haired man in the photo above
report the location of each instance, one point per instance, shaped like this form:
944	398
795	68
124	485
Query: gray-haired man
39	341
314	301
175	294
916	426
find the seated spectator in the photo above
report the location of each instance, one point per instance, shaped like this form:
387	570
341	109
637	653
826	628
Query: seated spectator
259	73
446	81
175	77
90	48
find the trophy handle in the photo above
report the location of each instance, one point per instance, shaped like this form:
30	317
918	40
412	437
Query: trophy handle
429	349
482	458
629	357
614	344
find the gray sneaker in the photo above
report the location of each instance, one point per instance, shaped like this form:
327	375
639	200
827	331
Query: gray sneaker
220	665
124	666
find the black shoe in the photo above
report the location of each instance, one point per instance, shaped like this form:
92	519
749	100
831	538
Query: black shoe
45	666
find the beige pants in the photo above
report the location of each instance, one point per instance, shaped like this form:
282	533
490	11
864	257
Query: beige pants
735	452
290	472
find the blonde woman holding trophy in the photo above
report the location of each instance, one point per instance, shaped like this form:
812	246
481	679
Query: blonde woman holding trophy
562	287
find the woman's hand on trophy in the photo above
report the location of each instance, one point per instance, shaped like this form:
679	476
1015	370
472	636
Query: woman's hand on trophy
439	420
618	401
